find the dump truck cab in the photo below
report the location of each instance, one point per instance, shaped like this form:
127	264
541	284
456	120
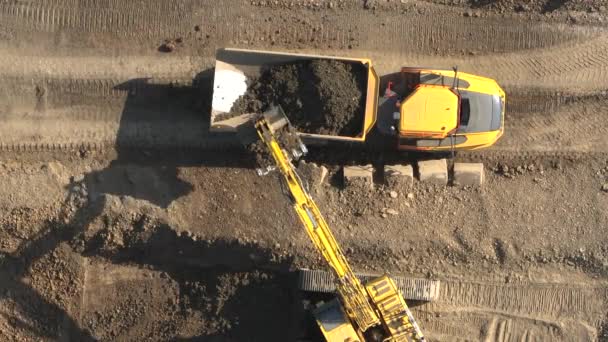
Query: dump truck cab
438	110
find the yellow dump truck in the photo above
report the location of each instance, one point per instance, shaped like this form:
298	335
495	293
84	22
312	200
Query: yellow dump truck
418	109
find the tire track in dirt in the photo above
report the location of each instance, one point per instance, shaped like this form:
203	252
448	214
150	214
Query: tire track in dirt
539	120
412	34
102	113
554	49
494	156
559	59
133	19
580	66
94	67
97	129
488	325
526	311
524	101
61	92
424	34
576	126
544	300
238	23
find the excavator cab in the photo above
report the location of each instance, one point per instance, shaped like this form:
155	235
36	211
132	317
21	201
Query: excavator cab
334	323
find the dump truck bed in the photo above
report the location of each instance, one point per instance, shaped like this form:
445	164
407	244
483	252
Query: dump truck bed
234	68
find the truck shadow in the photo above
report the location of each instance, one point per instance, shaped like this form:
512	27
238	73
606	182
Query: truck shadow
167	122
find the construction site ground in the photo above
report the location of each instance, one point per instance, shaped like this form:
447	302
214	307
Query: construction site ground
123	219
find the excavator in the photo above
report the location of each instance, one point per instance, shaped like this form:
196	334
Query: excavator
421	109
373	311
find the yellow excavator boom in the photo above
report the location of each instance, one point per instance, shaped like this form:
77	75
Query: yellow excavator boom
377	304
353	294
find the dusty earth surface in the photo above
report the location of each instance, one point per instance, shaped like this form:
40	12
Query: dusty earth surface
122	218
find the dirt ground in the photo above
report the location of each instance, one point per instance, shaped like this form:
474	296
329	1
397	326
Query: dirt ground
122	218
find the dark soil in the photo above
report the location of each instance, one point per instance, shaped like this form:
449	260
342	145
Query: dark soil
319	97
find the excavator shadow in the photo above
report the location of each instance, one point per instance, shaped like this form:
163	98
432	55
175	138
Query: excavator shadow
233	287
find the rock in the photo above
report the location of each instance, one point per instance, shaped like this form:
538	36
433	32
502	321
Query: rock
359	174
398	176
312	174
393	194
392	212
78	178
167	46
468	174
605	187
433	171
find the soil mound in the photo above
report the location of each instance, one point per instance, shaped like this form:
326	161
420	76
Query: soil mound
319	96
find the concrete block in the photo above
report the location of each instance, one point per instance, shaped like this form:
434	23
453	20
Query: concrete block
398	176
433	171
359	174
468	174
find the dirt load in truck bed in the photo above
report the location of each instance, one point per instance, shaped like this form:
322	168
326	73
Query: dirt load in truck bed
318	96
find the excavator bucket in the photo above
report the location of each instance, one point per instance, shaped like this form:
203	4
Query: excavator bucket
273	122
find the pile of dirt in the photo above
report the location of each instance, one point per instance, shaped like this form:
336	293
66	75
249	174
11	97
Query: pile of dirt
320	96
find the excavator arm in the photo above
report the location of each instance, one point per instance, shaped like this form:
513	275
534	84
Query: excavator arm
377	304
353	294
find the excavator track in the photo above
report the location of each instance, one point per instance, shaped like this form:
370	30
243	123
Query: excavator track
411	288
